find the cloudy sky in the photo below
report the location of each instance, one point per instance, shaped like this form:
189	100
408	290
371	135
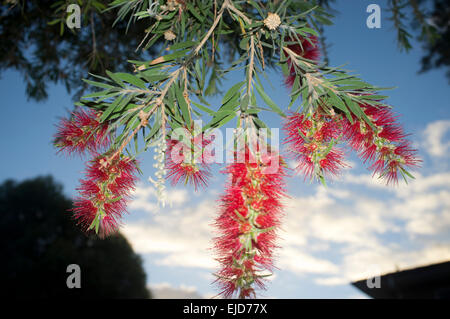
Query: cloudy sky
353	229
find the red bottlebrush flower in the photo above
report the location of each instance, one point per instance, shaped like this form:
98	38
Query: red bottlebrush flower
103	194
82	133
394	161
185	162
312	144
383	145
361	136
308	49
251	210
333	161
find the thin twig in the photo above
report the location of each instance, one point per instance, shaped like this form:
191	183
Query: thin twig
213	44
231	7
250	66
144	120
214	25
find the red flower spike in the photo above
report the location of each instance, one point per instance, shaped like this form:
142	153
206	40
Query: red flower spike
312	144
103	194
247	240
309	49
194	171
82	133
384	146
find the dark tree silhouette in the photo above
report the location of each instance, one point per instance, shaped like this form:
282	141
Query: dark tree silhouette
438	52
39	240
32	45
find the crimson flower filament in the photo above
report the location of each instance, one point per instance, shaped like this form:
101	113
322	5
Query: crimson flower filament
82	133
250	213
383	145
312	140
103	194
184	161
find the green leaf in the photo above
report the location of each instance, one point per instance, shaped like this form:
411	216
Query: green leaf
111	108
309	30
154	130
183	45
245	102
203	108
96	94
269	101
407	173
231	104
221	118
115	78
54	22
124	102
115	199
99	84
368	121
322	180
194	12
353	106
183	23
132	79
168	57
259	123
337	101
183	106
232	91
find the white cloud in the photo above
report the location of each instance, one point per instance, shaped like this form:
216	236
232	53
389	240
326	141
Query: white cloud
361	264
179	235
354	226
331	281
145	198
423	184
433	138
297	261
365	180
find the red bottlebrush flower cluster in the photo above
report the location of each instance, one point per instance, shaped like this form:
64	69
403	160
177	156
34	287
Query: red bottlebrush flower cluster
383	145
185	160
250	213
308	50
312	142
109	180
103	194
82	132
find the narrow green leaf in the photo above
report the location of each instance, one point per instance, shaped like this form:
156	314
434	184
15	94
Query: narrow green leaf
269	101
194	12
111	108
183	45
337	101
232	91
99	84
203	108
183	106
132	79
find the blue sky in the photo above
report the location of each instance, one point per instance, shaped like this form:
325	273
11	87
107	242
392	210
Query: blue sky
355	228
